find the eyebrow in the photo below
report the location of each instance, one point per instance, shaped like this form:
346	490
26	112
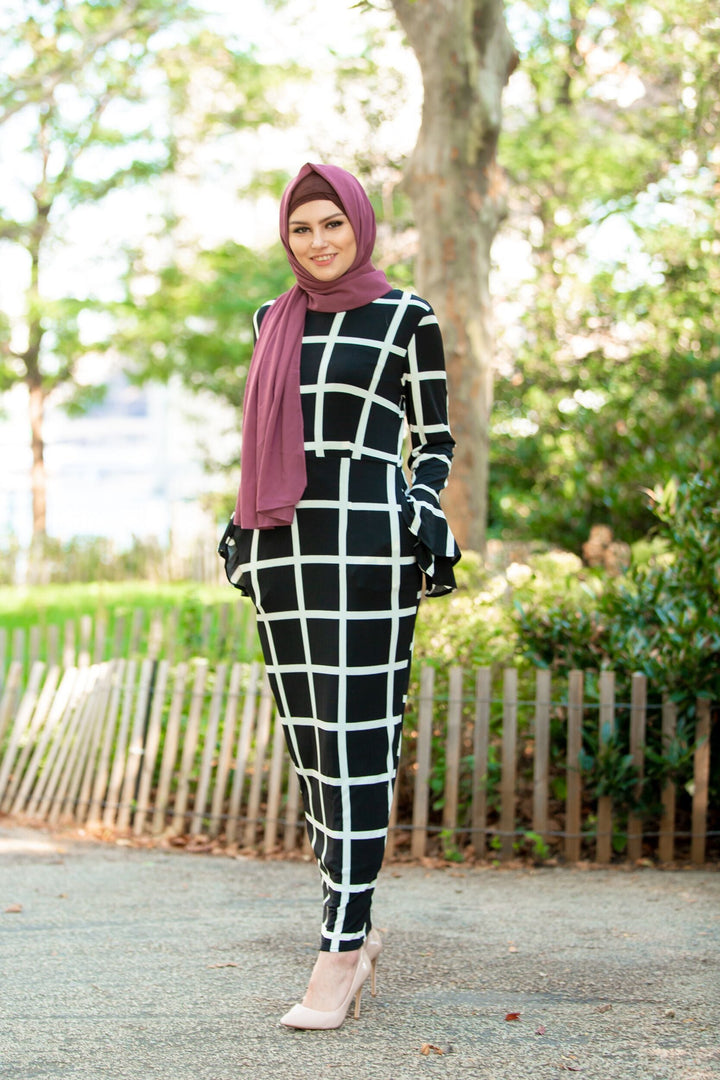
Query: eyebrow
329	217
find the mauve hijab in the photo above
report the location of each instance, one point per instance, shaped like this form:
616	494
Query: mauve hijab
273	476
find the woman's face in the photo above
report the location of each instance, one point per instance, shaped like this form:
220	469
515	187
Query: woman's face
322	239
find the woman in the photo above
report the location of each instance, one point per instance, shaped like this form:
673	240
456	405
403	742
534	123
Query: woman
331	545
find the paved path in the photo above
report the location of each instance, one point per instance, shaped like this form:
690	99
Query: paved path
142	964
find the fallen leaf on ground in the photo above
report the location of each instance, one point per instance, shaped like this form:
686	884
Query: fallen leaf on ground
230	963
512	1016
604	1008
14	909
540	1029
427	1047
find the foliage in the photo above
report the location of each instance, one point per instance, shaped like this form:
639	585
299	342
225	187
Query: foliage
662	618
99	96
472	626
196	323
613	385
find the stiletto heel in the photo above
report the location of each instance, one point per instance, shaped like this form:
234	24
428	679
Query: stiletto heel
300	1016
373	948
356	1014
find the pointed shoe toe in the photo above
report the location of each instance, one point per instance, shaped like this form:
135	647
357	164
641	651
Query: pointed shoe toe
318	1019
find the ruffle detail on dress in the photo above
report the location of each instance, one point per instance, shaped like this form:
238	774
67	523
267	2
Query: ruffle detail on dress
436	550
229	553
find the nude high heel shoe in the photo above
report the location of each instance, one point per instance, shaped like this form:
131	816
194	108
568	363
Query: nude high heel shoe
319	1020
373	948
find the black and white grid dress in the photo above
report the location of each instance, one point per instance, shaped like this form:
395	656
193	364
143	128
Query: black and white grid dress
337	591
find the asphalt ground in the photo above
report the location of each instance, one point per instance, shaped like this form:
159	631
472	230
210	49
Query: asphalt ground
136	964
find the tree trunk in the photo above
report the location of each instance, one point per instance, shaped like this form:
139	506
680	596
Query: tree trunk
31	358
466	57
38	478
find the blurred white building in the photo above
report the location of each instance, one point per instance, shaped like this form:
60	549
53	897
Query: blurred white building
133	466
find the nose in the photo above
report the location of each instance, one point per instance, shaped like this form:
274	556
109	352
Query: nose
318	239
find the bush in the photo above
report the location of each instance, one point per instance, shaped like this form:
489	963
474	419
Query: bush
662	618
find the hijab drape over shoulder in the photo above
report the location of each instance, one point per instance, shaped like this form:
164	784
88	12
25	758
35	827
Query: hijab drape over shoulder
273	475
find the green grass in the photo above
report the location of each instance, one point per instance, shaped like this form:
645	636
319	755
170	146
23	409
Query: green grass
25	606
213	621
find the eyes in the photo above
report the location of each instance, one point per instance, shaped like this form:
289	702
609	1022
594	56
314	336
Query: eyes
302	230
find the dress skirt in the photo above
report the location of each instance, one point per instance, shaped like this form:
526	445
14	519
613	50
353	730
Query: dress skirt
337	594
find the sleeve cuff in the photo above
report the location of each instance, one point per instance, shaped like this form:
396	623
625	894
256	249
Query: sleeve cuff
436	550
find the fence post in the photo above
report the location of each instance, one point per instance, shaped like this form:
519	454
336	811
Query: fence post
603	852
421	794
701	780
99	637
116	671
541	752
508	781
481	743
68	659
638	703
453	746
209	752
292	807
18	646
152	743
573	799
223	765
136	748
138	620
86	625
666	842
170	748
242	752
94	759
189	747
277	763
118	765
262	737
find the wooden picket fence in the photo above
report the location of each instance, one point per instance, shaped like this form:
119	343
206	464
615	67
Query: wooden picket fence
151	748
217	630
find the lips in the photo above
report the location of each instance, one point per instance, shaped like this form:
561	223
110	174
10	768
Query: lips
323	260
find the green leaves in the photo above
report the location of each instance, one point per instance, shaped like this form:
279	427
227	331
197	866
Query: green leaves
661	618
613	385
197	321
109	95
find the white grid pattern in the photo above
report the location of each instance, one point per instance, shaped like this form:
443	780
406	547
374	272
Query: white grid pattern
341	584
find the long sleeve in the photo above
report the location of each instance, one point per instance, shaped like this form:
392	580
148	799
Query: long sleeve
425	384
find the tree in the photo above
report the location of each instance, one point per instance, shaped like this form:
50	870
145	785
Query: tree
611	145
457	192
102	94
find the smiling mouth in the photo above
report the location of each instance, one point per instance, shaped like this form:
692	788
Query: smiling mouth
323	258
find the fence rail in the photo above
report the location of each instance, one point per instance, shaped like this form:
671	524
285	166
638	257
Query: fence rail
152	748
173	634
